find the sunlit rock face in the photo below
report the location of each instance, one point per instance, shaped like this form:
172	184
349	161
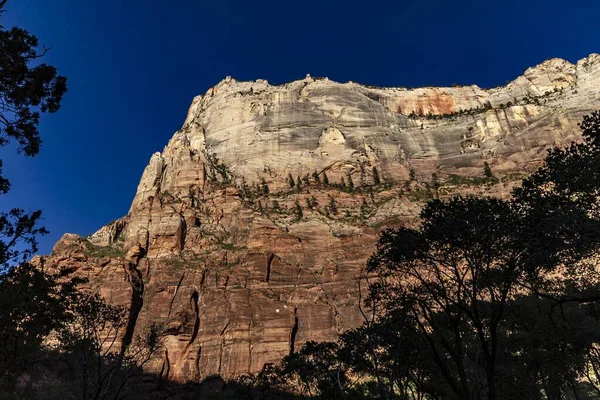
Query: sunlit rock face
237	277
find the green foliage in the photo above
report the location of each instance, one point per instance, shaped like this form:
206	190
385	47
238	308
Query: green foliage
298	210
275	205
218	172
245	190
428	192
27	88
93	250
177	263
435	182
418	195
249	193
364	209
472	111
311	202
332	205
487	171
291	181
316	177
325	178
512	177
264	187
459	180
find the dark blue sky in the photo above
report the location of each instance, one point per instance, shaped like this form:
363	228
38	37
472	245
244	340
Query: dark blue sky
134	66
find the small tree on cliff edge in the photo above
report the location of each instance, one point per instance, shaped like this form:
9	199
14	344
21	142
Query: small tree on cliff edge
376	179
298	210
487	171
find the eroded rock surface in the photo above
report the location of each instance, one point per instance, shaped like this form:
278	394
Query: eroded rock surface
240	267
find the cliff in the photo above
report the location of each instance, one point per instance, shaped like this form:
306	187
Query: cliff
241	267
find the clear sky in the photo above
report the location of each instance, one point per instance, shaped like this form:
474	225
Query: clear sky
133	67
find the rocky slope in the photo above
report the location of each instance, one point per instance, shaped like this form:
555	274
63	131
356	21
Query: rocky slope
241	267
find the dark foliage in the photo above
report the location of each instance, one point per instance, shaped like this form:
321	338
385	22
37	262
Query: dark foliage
486	299
27	88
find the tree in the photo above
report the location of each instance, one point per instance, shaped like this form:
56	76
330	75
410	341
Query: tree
37	308
244	189
32	306
325	178
411	175
276	205
388	357
99	368
27	88
428	192
435	182
443	270
332	205
487	171
317	371
550	344
316	177
350	182
298	210
291	180
364	209
18	232
264	187
466	269
376	179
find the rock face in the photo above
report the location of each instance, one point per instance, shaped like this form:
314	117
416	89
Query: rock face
244	243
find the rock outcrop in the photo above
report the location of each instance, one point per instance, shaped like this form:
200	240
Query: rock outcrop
249	233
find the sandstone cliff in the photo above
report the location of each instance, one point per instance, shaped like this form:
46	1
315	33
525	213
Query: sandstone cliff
241	267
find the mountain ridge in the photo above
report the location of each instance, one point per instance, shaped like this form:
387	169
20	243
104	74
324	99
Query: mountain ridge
248	234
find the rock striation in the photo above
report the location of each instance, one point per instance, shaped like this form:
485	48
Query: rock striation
249	232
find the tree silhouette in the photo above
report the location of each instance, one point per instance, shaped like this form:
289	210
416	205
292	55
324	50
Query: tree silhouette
488	298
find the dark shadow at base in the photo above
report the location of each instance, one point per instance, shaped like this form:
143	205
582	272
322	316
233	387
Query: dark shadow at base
211	388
